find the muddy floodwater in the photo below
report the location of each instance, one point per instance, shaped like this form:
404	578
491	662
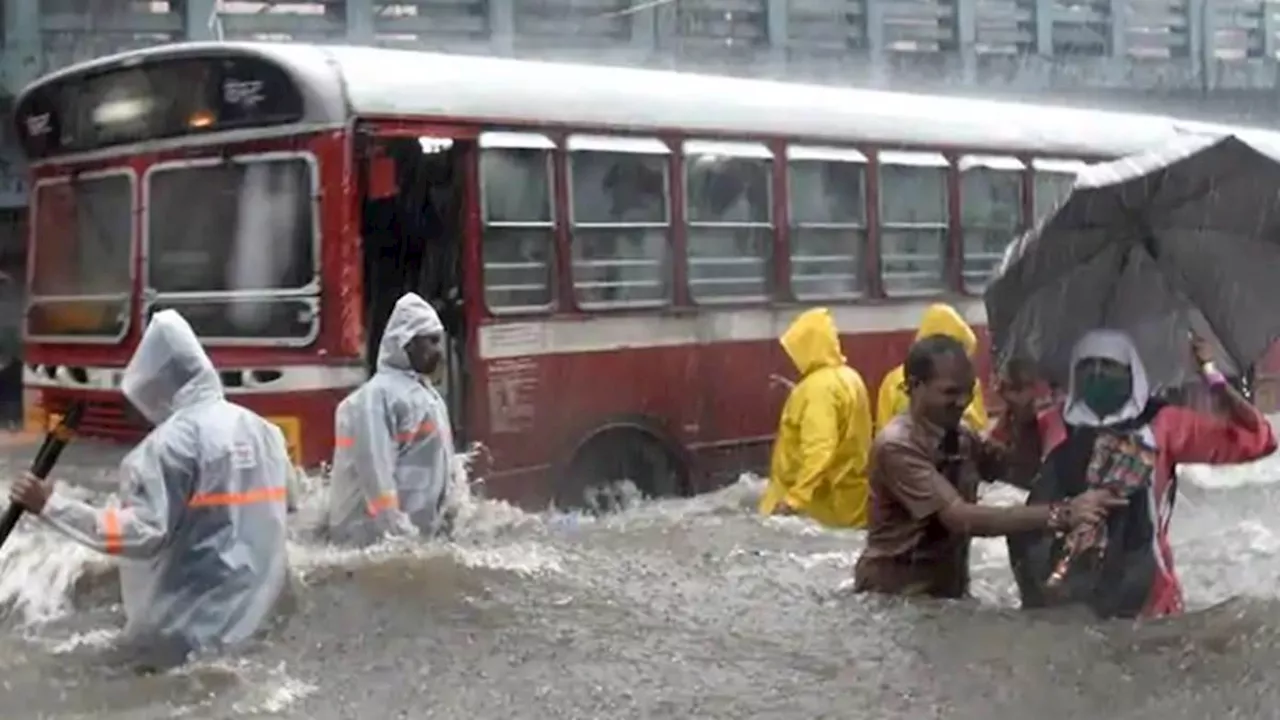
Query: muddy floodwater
676	609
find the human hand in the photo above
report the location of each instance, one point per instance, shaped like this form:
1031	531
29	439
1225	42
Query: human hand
31	493
1201	350
1093	506
784	508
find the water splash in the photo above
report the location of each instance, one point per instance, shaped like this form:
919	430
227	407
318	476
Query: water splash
43	576
40	570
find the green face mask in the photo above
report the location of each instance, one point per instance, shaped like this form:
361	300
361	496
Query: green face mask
1105	394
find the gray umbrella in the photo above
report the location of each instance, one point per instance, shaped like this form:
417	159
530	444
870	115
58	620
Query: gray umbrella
1186	237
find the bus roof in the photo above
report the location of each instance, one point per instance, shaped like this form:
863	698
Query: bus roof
385	82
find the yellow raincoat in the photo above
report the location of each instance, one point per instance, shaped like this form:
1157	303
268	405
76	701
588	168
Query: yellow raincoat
938	319
819	465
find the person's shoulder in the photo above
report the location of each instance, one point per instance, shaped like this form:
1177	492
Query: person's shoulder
898	434
384	390
837	381
853	380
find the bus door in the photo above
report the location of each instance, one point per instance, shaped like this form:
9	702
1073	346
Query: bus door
415	205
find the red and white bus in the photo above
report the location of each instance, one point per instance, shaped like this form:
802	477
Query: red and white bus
614	252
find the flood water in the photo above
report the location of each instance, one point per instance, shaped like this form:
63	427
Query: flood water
677	609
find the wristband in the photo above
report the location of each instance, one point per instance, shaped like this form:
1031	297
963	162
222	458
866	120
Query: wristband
1212	376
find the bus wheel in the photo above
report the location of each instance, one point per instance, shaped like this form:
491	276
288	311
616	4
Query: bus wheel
616	467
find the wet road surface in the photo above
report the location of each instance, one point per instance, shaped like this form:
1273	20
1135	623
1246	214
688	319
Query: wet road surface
676	609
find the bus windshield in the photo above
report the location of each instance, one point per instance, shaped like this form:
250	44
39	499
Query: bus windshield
81	275
232	244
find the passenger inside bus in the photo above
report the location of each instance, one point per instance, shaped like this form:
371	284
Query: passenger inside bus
820	453
393	454
938	319
619	228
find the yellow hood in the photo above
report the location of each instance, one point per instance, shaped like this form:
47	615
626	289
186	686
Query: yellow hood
942	319
812	341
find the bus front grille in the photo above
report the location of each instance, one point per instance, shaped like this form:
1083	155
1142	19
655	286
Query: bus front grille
103	418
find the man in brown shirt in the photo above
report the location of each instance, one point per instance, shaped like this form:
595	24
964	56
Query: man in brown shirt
924	473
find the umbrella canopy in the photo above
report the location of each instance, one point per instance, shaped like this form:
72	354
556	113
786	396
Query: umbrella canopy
1183	238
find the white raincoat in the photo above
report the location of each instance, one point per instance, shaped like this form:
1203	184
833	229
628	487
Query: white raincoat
393	442
199	522
1108	345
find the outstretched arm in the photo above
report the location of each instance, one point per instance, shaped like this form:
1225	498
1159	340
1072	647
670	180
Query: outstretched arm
155	477
1192	437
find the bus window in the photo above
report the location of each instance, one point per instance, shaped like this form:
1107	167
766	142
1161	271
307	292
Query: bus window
913	222
730	219
618	200
827	195
519	223
232	245
81	274
990	213
1053	181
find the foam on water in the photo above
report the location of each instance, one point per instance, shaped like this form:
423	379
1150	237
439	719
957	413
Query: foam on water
39	569
41	572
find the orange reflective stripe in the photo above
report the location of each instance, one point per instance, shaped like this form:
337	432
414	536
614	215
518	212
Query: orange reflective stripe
422	430
249	497
386	501
111	529
343	442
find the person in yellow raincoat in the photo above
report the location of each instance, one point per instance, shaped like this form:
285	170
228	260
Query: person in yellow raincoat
819	465
938	319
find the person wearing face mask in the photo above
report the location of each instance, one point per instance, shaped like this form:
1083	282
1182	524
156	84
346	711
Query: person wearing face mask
1111	433
925	469
393	442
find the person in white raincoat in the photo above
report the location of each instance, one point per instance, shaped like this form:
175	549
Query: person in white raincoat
199	521
393	442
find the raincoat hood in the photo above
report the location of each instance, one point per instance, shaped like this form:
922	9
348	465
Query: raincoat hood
1109	345
812	341
169	370
942	319
412	316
